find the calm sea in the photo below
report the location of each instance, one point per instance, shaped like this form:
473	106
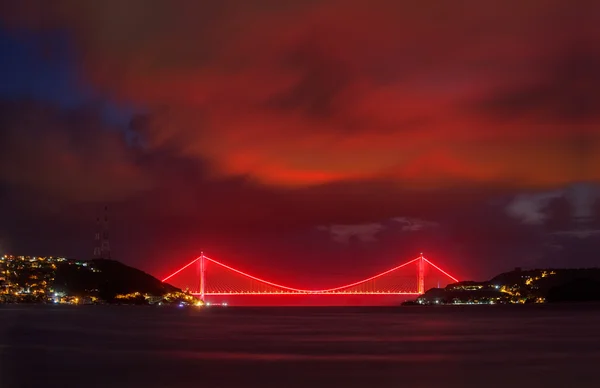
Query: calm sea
463	346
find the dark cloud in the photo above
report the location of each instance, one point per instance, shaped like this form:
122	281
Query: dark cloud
567	89
558	214
65	153
264	120
321	82
300	93
595	218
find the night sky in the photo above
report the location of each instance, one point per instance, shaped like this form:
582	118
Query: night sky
313	141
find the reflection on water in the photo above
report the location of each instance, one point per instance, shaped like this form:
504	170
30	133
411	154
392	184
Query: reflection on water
492	346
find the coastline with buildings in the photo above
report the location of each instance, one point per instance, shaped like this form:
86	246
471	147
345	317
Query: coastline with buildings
58	280
521	287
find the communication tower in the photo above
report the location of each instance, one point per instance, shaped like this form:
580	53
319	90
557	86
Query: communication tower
102	248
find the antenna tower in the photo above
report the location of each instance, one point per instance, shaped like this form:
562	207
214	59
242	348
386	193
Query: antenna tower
102	248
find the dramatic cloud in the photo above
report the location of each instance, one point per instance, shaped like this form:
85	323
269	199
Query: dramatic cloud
573	206
582	234
67	154
583	198
259	121
413	225
298	93
529	208
369	232
364	233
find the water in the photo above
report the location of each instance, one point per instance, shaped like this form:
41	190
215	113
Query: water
463	346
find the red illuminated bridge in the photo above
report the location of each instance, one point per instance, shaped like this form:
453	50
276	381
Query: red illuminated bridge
210	277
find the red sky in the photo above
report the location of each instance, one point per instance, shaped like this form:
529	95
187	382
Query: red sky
257	128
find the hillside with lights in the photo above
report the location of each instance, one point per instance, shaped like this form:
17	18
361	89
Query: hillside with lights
30	279
521	287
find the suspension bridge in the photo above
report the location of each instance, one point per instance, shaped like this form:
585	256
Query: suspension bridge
214	278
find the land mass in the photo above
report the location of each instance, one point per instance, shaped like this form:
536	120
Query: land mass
25	279
522	286
108	279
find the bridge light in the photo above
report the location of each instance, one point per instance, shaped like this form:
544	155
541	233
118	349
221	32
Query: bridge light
360	287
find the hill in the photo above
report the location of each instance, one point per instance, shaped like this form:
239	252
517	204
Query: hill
518	286
577	290
106	279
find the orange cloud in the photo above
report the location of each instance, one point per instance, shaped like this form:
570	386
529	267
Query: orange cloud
297	93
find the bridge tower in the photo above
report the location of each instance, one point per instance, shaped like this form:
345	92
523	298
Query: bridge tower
202	268
421	275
